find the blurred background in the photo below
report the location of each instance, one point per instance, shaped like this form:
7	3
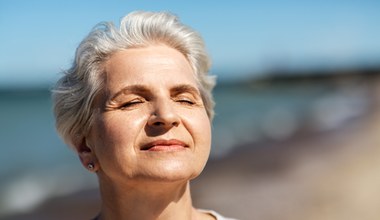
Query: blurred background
296	132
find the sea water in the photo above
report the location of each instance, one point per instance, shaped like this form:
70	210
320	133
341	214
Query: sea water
36	165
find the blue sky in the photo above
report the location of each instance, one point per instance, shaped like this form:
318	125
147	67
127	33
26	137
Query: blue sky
38	38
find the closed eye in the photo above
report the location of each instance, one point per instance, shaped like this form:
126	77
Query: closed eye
130	104
185	101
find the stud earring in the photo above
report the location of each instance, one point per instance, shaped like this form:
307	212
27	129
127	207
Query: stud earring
90	166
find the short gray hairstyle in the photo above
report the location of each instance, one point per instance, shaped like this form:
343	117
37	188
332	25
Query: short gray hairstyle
74	94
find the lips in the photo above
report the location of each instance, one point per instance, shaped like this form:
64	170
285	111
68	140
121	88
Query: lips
164	145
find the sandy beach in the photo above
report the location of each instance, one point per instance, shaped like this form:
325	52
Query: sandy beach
325	176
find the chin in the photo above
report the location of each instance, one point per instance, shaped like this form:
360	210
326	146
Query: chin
173	172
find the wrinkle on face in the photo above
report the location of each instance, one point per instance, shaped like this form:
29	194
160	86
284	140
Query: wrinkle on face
144	86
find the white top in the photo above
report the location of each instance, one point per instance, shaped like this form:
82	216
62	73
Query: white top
215	214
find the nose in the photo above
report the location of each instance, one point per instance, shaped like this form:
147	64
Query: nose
164	116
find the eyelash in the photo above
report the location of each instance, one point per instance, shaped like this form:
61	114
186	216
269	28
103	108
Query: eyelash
131	103
186	101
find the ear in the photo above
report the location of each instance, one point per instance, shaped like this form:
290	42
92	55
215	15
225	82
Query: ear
87	155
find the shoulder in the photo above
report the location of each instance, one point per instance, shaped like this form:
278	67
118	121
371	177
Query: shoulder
215	214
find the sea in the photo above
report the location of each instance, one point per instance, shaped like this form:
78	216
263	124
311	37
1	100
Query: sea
36	165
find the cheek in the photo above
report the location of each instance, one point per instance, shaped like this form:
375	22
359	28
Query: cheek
117	131
201	131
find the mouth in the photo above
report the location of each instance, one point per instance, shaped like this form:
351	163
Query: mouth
164	145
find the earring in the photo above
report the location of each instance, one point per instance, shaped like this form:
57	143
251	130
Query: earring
90	166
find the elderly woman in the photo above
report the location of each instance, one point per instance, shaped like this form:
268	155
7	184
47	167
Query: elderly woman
136	106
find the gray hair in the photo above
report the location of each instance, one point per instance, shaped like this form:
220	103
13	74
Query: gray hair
74	93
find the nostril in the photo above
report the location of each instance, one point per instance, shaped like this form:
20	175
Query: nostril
175	123
158	123
163	118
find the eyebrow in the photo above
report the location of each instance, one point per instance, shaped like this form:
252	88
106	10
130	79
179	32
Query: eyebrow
137	89
141	89
184	88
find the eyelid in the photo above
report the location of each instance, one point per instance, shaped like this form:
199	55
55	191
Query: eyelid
185	95
188	99
135	100
131	102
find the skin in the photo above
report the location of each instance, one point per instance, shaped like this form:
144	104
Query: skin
150	136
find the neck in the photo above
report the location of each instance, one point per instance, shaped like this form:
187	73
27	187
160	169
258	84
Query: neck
146	200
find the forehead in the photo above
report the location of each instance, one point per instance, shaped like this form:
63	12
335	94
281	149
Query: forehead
153	64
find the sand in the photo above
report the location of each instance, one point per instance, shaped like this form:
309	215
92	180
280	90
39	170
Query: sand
327	177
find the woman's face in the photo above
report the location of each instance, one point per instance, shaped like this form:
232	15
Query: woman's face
150	122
